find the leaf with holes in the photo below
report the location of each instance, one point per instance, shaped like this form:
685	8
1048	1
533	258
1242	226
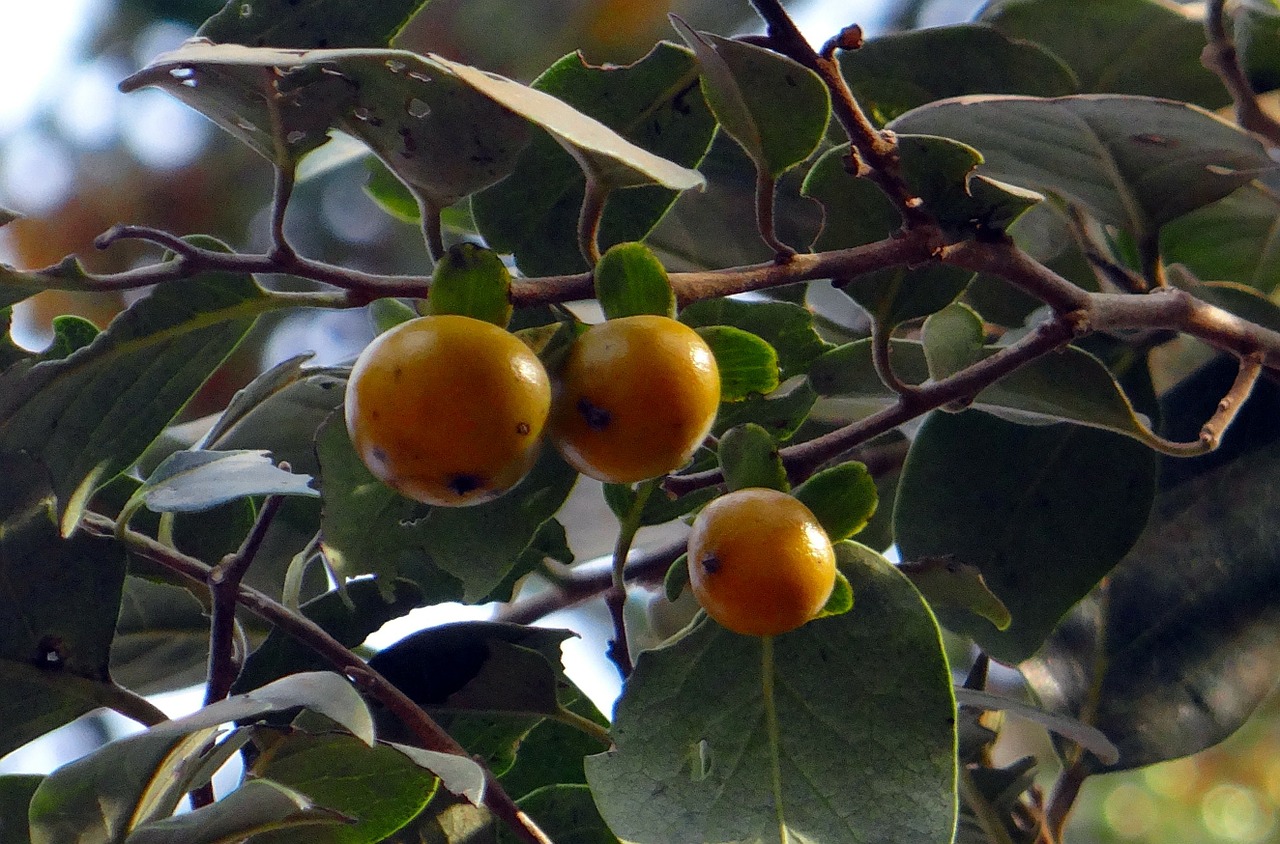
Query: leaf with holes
308	24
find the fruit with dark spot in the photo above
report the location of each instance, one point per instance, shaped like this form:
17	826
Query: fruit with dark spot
635	398
448	410
759	562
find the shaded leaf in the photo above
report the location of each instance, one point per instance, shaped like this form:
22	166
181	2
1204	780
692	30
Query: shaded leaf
749	458
631	281
89	416
1245	302
1234	239
566	813
307	24
654	103
15	797
1134	162
378	788
947	582
744	83
746	363
1186	632
324	692
70	333
693	759
255	808
899	71
162	638
1117	46
16	284
1082	734
262	387
952	340
781	413
1044	513
843	498
286	422
460	775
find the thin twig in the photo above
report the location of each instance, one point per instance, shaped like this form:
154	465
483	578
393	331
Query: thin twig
881	339
590	215
281	249
425	729
1221	56
766	202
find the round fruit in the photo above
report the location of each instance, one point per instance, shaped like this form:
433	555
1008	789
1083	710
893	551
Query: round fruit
447	410
636	397
759	562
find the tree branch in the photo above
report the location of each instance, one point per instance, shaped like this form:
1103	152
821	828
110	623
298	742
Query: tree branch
307	632
1221	57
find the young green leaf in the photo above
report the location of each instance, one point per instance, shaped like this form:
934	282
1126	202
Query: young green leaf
749	458
841	600
952	340
630	281
785	326
676	578
744	83
694	760
748	365
472	281
386	313
843	498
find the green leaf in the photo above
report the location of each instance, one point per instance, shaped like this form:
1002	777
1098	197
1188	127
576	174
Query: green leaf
744	84
785	326
841	600
265	385
747	364
631	281
322	692
1254	25
1245	302
480	545
472	281
694	761
1044	513
89	416
1082	734
1068	386
1180	647
58	605
286	421
16	285
899	71
1117	46
70	333
349	616
1133	162
378	787
952	340
190	481
460	775
781	412
162	638
566	813
308	24
749	458
1234	239
390	193
857	213
365	525
551	753
654	103
659	509
676	578
843	498
947	582
15	797
255	808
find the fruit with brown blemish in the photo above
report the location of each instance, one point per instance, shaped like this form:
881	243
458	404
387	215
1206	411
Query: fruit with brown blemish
448	410
635	398
759	562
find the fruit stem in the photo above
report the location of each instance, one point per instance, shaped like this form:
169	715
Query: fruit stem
775	738
616	599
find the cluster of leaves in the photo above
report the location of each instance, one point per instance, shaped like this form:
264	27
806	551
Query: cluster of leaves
1046	167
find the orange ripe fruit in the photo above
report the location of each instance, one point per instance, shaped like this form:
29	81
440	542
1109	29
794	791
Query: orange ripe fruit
447	410
759	562
635	398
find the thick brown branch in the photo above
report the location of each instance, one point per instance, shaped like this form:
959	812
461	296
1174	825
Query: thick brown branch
1221	56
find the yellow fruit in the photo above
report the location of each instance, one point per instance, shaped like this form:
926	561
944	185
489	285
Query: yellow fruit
447	410
636	397
759	562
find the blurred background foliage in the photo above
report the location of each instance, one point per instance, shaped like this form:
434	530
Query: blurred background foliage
85	157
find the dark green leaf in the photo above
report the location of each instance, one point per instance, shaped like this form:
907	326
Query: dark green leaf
289	371
309	24
255	808
748	365
15	797
630	281
952	340
552	752
1234	239
1254	26
693	759
286	421
472	281
70	333
1187	630
162	638
788	328
1245	302
899	71
1044	513
947	582
1117	46
744	83
654	103
781	412
89	416
566	813
676	578
1134	162
16	285
350	617
377	787
843	498
841	600
58	605
749	458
